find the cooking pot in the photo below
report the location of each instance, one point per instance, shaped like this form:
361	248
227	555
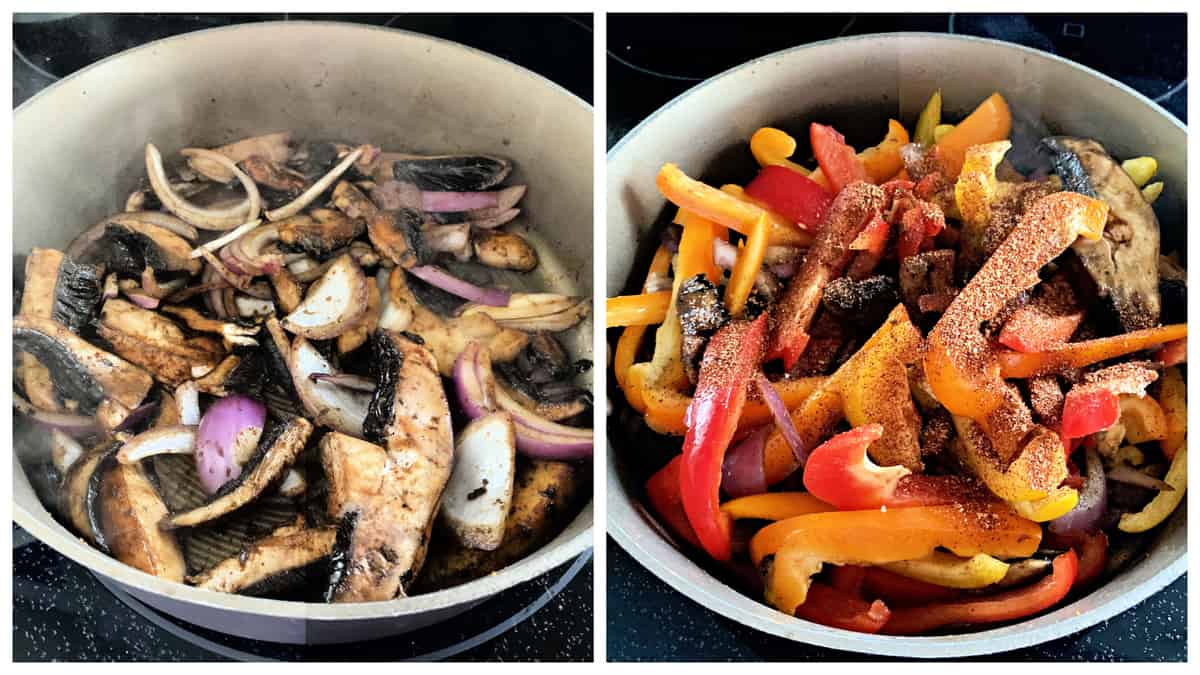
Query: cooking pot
78	152
857	83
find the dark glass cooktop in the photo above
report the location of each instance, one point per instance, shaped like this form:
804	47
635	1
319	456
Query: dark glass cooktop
62	612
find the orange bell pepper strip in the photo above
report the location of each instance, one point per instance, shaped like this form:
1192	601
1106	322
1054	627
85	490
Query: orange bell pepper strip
773	147
696	254
631	337
838	471
662	491
646	309
746	269
963	371
836	608
1172	398
883	161
666	409
706	201
990	121
802	544
783	232
1087	352
774	506
816	416
1005	606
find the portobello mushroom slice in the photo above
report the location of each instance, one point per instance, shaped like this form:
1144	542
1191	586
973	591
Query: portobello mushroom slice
552	312
274	147
277	451
130	510
156	343
320	232
241	373
334	304
94	380
446	338
394	492
328	404
353	202
505	251
272	174
1124	261
397	237
355	337
130	246
78	490
271	562
458	173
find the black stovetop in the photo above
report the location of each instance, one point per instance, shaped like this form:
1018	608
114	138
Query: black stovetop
651	60
62	612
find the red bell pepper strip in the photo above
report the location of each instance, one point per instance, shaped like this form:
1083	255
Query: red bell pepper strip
1004	606
839	163
1172	353
662	491
790	194
918	226
839	472
1047	322
730	360
871	244
1095	405
902	591
1093	555
850	212
829	606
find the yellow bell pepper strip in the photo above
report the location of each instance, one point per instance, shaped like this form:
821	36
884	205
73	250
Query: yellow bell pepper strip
1163	504
838	471
1004	606
991	121
1034	474
977	188
773	147
746	269
961	366
943	569
879	393
774	506
1140	169
883	161
931	117
941	130
823	408
1152	192
646	309
1054	505
783	231
730	360
1172	397
851	211
1086	352
706	201
802	544
666	409
1143	418
631	337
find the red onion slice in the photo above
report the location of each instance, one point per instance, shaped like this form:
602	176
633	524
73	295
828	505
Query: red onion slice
783	420
474	382
439	277
743	473
75	426
173	440
227	438
1123	473
1093	499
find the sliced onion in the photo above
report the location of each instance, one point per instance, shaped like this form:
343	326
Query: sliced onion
142	300
742	472
436	276
227	438
443	202
327	405
80	245
226	238
783	420
249	251
236	279
724	254
474	382
187	401
64	450
173	440
76	426
297	205
1123	473
205	219
213	297
1093	499
356	382
488	221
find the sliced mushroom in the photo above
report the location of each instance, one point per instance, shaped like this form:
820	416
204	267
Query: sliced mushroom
277	451
98	382
446	338
275	147
443	172
241	373
130	511
288	290
535	312
131	247
334	304
397	237
505	250
320	232
273	174
232	332
329	405
155	342
353	202
479	494
267	563
84	246
1123	262
77	493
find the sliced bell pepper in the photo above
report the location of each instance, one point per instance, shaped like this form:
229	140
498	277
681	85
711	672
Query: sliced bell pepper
1087	352
1005	606
631	338
847	579
901	591
1143	418
839	472
706	201
792	316
871	244
773	147
1054	505
960	364
951	571
990	121
1172	397
783	231
802	544
879	393
1094	404
931	116
1046	323
977	187
696	252
746	269
792	195
1172	353
831	607
1163	504
729	361
840	165
1034	474
662	491
918	226
666	409
883	161
774	506
646	309
1093	555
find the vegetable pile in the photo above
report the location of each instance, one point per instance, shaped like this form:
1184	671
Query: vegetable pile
299	369
934	384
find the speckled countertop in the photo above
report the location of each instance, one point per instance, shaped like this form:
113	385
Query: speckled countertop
652	59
